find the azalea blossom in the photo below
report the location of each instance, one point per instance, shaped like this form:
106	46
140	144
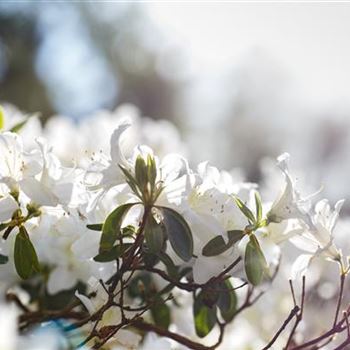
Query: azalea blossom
317	240
56	208
289	205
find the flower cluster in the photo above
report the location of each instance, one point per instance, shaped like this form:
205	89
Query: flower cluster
118	237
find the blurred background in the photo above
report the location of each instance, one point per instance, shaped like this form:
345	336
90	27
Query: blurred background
242	82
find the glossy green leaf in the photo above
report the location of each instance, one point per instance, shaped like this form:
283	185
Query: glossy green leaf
111	229
2	118
150	259
179	233
3	259
26	260
254	261
141	172
218	246
161	313
155	235
245	210
130	181
215	247
258	206
151	170
227	301
204	317
16	128
113	254
95	227
169	264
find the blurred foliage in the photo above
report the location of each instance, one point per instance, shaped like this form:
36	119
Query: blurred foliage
20	84
119	41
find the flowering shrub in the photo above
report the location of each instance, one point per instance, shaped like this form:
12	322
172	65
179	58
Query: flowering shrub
123	247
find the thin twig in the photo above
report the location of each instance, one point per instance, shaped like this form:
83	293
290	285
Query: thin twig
341	292
292	314
299	316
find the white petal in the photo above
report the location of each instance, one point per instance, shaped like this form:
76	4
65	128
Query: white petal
60	279
153	342
207	267
128	338
115	144
86	302
305	242
300	266
271	250
283	161
87	245
38	193
8	328
7	206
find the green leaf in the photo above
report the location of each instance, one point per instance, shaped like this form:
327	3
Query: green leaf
113	254
179	233
151	170
218	246
16	128
161	313
235	235
209	296
111	227
141	286
150	259
128	231
215	246
3	259
254	262
95	227
141	172
245	210
2	118
26	260
258	206
204	316
4	225
130	181
227	301
169	264
154	235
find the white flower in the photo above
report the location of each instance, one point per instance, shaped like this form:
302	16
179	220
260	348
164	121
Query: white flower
289	205
7	207
15	165
52	186
64	244
210	212
103	173
317	239
8	327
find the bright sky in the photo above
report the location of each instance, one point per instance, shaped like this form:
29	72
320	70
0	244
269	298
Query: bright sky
311	40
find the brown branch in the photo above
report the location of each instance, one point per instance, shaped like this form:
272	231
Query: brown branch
347	323
12	297
341	292
299	316
338	328
292	314
141	325
191	286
